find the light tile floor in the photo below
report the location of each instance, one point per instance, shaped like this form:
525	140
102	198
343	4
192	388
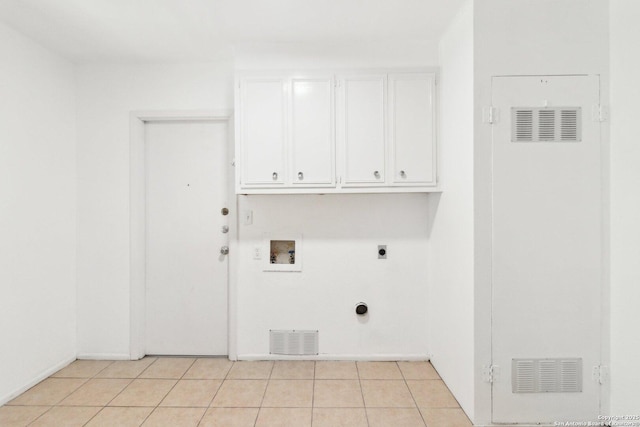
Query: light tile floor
182	391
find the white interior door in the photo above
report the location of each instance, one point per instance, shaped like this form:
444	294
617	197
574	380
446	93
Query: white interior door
186	274
547	249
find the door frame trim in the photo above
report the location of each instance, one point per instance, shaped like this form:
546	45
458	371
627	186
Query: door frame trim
137	220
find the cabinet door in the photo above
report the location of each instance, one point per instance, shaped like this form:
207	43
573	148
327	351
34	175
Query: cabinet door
412	128
362	129
312	132
262	131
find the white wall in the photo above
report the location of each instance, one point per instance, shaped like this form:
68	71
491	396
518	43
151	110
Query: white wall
335	55
341	234
450	302
625	207
522	38
106	96
37	213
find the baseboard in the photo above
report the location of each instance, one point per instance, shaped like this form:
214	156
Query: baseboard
35	380
355	357
104	356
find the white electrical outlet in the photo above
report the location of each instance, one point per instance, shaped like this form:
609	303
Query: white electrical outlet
257	252
247	217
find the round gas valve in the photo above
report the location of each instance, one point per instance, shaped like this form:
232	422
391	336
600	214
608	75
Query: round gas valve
361	309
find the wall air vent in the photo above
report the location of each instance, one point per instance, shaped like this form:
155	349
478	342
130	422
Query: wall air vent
557	124
294	343
546	375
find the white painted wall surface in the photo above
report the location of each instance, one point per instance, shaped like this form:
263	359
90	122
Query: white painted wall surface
450	281
340	235
338	55
106	96
37	213
625	207
522	38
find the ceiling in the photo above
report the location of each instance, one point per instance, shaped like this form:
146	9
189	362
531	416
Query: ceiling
90	31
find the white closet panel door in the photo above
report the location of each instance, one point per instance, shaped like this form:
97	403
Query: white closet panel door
547	249
362	129
262	139
312	132
412	128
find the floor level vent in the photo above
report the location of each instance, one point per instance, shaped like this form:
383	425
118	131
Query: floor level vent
294	342
546	375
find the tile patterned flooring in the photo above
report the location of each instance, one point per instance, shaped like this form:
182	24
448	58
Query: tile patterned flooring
182	391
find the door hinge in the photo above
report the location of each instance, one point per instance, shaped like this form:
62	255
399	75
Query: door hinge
489	115
600	374
490	373
600	113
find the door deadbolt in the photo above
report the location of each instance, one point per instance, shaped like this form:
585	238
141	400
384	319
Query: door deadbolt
224	250
225	228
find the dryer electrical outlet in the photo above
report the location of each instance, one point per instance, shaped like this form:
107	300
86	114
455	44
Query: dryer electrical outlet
382	251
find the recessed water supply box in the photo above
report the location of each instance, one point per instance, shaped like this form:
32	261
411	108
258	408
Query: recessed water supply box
285	252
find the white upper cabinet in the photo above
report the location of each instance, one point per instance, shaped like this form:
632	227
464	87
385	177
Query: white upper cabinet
361	133
412	128
312	132
262	131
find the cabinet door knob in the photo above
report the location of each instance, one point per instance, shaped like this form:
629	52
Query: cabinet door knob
300	176
275	176
376	174
403	174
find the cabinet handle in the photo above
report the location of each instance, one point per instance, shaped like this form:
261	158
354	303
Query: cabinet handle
376	174
275	176
300	176
403	174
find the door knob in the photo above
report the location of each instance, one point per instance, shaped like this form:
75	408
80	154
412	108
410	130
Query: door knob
300	176
224	250
376	174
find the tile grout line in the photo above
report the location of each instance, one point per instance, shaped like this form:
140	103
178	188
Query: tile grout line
86	381
174	386
215	394
412	396
118	394
165	396
364	404
313	392
130	382
265	392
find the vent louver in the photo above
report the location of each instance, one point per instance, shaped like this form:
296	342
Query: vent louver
292	342
546	375
558	124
